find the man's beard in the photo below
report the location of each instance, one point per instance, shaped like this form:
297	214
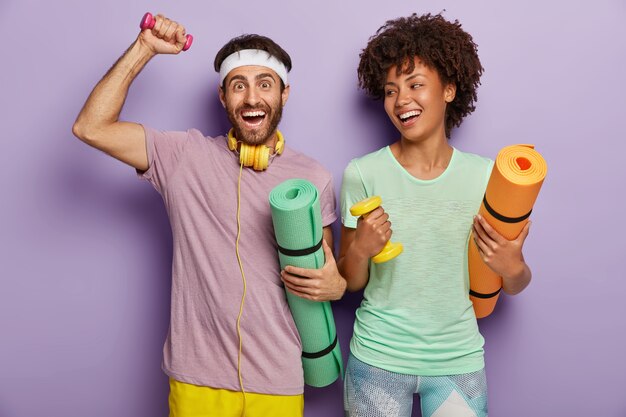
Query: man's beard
256	136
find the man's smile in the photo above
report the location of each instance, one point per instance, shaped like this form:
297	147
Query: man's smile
252	118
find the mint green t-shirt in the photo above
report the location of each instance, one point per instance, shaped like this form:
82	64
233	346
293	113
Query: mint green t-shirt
416	316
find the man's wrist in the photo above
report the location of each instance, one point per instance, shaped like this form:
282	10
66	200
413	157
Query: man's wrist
143	51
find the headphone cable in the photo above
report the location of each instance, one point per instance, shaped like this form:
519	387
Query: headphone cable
243	297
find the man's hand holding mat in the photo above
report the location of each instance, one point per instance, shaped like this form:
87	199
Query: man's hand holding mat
297	220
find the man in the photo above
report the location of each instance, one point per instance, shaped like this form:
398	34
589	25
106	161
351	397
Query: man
232	347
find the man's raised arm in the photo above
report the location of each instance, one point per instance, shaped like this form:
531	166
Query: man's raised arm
98	122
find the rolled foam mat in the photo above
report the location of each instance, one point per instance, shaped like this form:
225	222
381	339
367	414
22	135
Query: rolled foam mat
297	222
513	187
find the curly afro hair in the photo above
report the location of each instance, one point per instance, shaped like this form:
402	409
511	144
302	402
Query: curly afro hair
439	44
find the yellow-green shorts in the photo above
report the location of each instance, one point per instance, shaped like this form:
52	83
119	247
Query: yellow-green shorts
188	400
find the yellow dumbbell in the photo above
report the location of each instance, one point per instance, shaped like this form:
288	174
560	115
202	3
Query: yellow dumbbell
362	208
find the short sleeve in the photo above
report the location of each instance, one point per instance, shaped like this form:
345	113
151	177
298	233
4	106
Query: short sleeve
352	191
488	174
328	203
165	150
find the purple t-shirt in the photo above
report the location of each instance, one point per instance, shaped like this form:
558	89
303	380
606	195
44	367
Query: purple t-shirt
197	178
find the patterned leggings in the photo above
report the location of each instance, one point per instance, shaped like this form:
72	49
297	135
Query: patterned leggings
375	392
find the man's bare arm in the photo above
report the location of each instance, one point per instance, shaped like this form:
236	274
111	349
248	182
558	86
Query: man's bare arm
98	122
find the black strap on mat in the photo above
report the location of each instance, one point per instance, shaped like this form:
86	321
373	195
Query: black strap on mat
479	295
300	252
502	218
321	352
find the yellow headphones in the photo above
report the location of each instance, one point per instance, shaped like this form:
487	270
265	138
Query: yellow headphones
255	156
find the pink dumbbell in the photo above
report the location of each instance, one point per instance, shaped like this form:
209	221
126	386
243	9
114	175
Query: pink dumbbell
148	21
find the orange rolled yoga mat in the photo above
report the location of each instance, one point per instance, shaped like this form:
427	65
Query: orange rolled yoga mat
511	192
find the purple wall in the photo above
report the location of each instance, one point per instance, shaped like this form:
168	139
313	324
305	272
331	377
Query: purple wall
85	248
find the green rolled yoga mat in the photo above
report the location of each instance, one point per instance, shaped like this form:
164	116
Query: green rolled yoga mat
297	222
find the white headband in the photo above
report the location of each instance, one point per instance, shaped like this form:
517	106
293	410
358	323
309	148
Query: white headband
252	57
